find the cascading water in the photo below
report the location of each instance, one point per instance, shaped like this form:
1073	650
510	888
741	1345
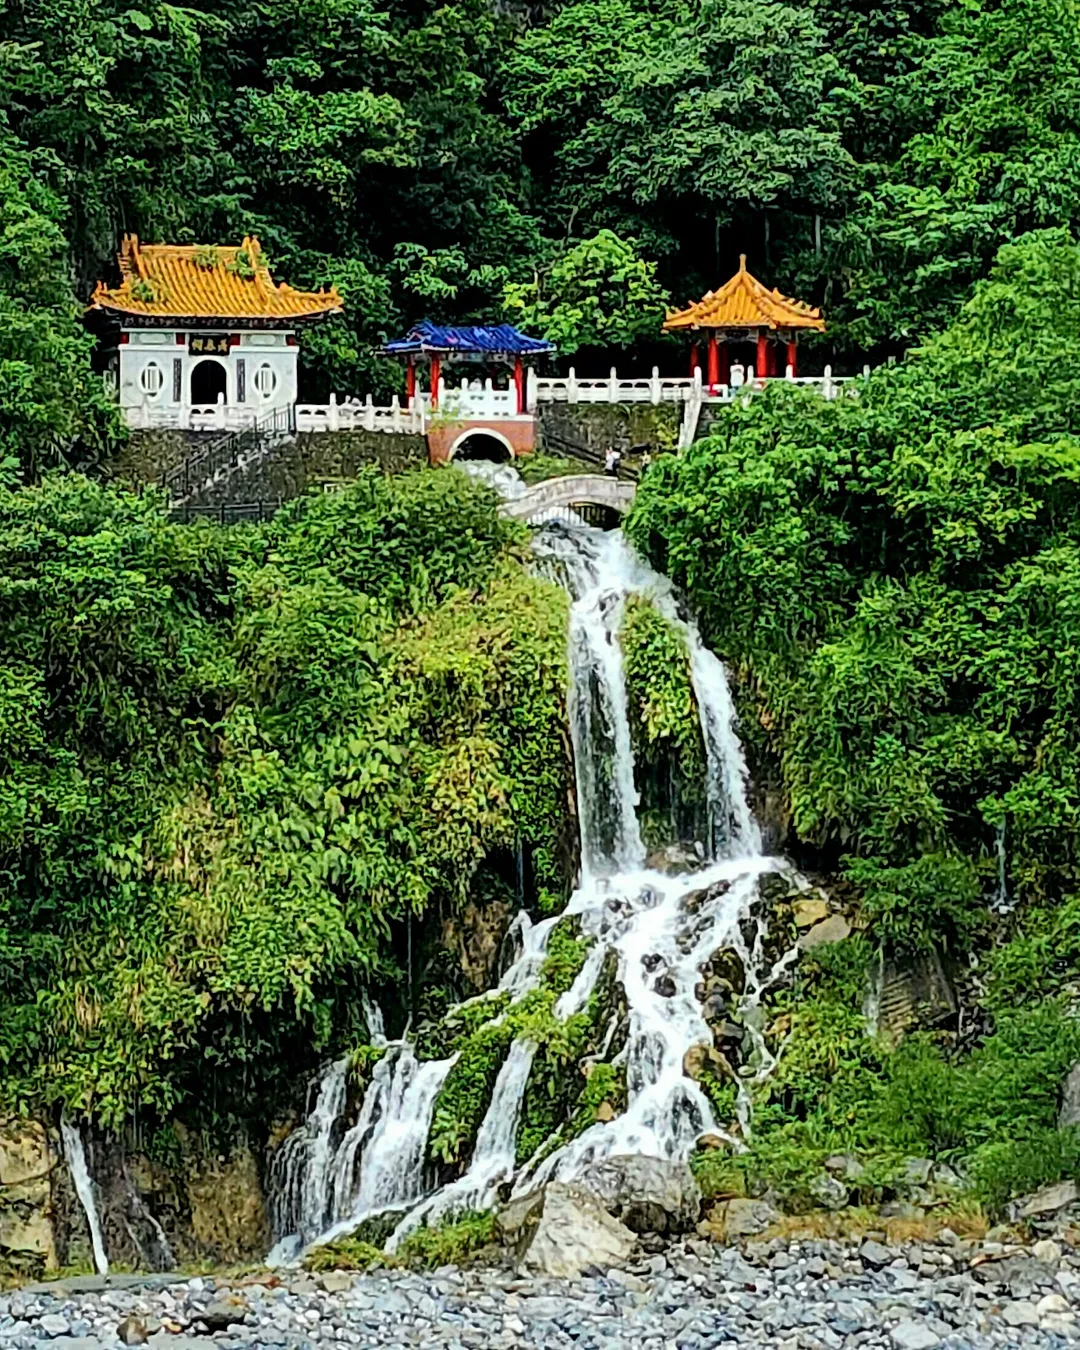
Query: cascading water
84	1189
662	930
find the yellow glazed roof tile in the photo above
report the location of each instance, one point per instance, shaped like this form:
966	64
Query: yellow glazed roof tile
196	281
743	302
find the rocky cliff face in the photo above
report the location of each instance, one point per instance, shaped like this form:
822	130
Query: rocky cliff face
200	1206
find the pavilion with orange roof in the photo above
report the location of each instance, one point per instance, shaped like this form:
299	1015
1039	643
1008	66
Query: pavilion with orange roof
194	331
740	311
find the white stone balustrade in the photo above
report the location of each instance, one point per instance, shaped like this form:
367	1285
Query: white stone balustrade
475	401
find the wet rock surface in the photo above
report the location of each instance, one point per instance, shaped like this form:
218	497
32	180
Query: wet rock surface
684	1295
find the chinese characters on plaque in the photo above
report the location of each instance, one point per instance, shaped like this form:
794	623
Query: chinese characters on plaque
208	344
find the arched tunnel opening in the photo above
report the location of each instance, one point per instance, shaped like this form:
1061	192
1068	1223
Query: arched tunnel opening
482	445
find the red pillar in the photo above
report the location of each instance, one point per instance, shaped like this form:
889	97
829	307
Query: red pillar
714	363
410	382
761	365
695	359
436	371
725	364
792	359
519	383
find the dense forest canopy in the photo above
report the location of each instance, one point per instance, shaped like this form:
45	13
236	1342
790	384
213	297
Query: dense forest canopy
574	165
235	766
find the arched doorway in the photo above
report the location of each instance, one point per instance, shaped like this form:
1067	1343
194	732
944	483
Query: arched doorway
490	445
208	379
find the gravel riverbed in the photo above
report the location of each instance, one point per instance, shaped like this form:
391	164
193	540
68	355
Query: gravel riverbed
691	1295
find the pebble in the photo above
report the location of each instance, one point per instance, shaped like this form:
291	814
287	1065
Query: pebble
802	1294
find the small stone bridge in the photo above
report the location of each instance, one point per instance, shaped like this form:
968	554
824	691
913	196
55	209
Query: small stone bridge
581	489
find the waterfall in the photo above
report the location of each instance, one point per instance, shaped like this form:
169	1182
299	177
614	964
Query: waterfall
660	929
326	1179
493	1158
84	1189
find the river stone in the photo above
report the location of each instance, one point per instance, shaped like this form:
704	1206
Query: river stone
223	1313
132	1331
649	1195
912	1335
574	1232
1070	1099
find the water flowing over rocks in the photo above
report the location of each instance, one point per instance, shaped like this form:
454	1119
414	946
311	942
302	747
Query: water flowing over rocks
802	1293
658	928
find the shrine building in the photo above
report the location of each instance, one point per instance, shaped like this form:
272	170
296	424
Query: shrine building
743	312
202	338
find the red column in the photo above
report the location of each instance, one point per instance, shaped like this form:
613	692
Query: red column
792	359
410	382
714	363
436	371
725	364
695	359
761	365
519	383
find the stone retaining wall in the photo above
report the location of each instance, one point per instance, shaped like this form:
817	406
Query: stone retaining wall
601	425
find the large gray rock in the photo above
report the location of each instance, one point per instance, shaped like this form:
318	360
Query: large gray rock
1070	1099
562	1229
730	1220
1047	1201
649	1195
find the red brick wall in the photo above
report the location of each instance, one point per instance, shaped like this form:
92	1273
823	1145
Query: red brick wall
520	434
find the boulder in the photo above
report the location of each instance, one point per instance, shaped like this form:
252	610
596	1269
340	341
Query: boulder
846	1166
1070	1099
562	1229
223	1313
829	1192
833	929
674	859
1047	1201
810	911
731	1220
132	1331
701	1057
649	1195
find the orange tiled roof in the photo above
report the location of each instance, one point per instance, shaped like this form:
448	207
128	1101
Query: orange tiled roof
195	281
743	302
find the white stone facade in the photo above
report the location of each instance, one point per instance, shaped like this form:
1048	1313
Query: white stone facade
165	378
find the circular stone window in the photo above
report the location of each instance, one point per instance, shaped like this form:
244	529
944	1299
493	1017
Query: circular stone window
151	379
265	380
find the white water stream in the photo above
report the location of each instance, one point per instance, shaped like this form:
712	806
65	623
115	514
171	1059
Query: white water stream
84	1189
662	929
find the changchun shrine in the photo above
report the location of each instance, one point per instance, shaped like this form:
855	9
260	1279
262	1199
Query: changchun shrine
200	337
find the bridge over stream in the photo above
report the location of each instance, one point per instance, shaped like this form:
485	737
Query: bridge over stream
575	490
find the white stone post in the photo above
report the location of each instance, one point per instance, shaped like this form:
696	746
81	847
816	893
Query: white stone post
571	387
395	413
789	371
332	420
654	385
183	416
532	390
369	412
866	369
613	381
442	394
219	413
750	377
827	384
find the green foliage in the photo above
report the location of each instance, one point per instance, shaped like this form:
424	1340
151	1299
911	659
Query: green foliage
669	759
234	763
346	1253
598	294
454	1244
912	554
